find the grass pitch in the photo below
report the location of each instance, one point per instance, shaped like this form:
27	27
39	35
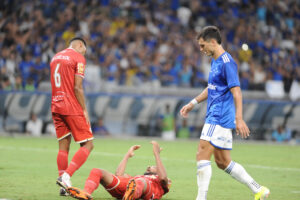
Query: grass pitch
28	168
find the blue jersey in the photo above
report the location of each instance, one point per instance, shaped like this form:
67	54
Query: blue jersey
220	104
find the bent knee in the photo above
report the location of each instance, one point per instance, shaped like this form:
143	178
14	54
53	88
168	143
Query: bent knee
204	152
88	145
91	146
199	154
96	172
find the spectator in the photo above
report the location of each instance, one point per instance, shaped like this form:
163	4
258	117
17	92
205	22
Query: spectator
5	84
168	126
131	38
183	130
99	128
26	68
11	66
34	125
281	134
41	71
259	76
50	129
29	85
185	76
18	83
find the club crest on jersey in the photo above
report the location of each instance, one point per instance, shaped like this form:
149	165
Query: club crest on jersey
80	68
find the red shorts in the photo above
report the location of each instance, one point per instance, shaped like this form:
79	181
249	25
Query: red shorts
72	124
118	186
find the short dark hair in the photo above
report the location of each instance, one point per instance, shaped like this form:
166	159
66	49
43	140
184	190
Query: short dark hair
210	32
78	38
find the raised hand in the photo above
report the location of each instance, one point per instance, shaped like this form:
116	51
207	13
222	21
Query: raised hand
132	149
156	147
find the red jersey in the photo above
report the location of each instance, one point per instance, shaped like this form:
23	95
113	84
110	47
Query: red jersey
64	66
157	189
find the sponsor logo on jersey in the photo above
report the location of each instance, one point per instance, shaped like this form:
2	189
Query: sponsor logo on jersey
80	68
211	86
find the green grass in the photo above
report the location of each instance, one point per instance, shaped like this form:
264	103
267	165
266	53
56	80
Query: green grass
28	168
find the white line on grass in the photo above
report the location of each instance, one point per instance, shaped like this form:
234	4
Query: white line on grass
147	158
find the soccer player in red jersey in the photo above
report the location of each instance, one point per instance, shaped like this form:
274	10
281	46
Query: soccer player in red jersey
152	185
68	108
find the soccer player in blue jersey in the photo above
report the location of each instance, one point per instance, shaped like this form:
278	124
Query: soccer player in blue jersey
224	113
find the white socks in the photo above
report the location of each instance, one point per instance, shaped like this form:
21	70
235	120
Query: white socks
203	178
238	172
66	179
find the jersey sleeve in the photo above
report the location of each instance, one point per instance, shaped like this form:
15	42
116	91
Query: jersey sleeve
231	74
80	66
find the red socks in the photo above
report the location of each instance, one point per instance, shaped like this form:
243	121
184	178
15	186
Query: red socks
92	182
78	159
62	161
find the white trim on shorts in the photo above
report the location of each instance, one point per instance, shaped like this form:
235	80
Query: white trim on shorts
108	189
85	140
217	135
64	136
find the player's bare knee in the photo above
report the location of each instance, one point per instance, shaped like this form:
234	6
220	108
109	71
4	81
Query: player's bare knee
64	144
89	145
202	153
201	149
64	148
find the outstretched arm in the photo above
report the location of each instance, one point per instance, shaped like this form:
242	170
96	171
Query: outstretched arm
161	171
241	127
188	107
122	166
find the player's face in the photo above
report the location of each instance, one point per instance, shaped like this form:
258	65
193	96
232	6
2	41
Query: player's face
83	49
151	170
206	47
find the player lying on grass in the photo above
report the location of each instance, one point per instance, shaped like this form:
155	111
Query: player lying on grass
152	185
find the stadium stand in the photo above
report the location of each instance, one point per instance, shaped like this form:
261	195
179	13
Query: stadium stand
149	43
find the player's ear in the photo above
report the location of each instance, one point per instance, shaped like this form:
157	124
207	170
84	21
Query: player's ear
212	41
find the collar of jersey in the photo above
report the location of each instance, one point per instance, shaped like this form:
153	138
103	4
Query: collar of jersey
221	56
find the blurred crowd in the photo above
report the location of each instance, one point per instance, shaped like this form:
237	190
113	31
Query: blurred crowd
137	42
